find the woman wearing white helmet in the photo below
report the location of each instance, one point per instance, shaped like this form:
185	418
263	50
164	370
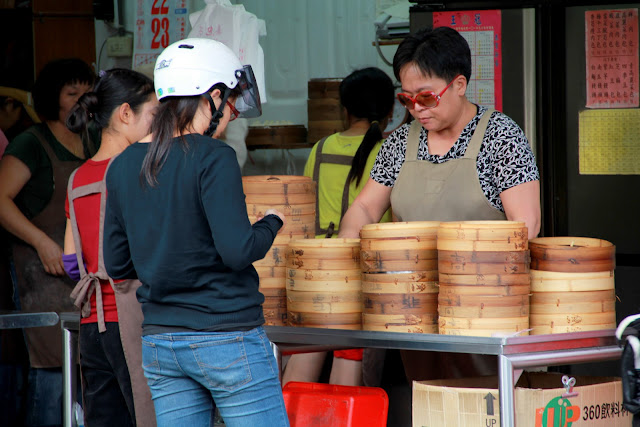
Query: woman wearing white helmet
176	219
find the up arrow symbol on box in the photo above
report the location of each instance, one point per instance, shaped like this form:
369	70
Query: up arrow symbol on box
489	398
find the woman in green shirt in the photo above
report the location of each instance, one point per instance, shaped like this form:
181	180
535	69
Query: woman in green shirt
33	178
340	164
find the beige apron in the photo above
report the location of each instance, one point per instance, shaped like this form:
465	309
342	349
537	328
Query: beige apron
39	291
336	159
449	191
129	310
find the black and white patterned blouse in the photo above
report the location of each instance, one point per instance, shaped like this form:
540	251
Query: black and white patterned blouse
504	161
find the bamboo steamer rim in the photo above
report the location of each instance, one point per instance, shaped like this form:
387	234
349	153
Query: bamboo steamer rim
402	318
399	287
482	291
559	319
482	245
485	301
307	286
410	276
567	242
406	225
302	208
482	332
408	329
485	256
584	285
572	297
483	224
325	243
372	266
570	266
485	279
547	330
488	312
509	234
578	307
565	275
520	322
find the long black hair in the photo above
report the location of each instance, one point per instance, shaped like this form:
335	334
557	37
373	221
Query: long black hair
366	94
112	89
175	113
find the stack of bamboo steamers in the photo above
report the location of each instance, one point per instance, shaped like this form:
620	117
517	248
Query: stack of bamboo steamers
295	197
572	284
484	278
472	278
400	277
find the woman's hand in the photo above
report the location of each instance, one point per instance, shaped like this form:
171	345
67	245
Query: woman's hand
279	215
50	254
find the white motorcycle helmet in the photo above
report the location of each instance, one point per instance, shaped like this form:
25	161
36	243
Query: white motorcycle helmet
192	66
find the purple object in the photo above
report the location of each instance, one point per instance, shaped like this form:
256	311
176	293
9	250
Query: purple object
70	262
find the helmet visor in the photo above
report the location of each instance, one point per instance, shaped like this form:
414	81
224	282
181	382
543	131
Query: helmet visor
248	102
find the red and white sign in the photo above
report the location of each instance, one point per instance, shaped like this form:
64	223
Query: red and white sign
158	24
611	43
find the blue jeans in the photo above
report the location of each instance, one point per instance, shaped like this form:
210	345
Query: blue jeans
187	372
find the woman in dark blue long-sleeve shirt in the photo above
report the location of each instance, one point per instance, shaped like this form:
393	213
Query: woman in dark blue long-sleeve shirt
176	219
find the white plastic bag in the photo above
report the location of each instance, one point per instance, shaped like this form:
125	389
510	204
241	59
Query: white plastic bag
236	28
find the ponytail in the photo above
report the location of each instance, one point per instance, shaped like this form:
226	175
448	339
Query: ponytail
371	138
367	94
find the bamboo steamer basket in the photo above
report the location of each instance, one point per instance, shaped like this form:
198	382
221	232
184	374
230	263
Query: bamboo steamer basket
551	281
278	184
506	323
399	262
419	304
295	197
572	254
573	284
301	209
484	285
484	332
399	283
350	321
482	236
408	323
326	115
484	278
484	290
323	278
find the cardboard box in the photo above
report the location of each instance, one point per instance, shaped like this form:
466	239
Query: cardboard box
473	402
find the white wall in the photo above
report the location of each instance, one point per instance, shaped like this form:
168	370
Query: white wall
305	39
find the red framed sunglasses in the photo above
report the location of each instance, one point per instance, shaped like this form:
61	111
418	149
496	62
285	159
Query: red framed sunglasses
426	99
234	113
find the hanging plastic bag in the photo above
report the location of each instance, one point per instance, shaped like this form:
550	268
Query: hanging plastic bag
236	28
630	364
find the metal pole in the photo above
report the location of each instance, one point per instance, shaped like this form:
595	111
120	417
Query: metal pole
505	388
68	379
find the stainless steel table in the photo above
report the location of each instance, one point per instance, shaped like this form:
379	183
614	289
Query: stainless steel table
514	353
21	319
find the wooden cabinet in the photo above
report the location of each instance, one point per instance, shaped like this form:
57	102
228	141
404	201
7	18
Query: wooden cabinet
63	29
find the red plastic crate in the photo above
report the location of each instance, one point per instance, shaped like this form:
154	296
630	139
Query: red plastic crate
327	405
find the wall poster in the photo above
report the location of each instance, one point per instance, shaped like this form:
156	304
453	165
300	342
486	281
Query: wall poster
611	43
483	31
158	24
608	141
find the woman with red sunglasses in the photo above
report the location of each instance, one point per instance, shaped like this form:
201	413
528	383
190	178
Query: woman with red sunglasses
456	161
